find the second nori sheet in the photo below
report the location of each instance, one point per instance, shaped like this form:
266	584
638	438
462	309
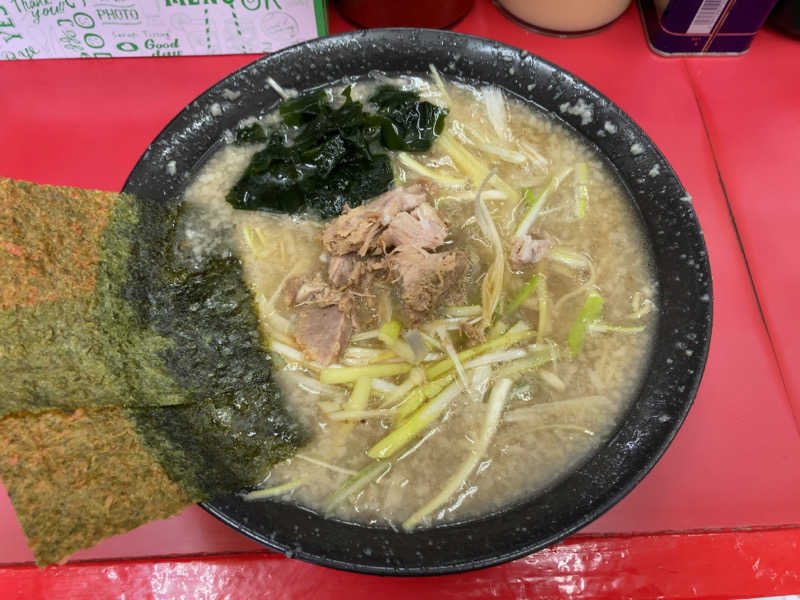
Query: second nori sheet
76	478
67	338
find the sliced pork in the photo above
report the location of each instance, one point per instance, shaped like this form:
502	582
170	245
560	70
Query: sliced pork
323	332
345	270
420	228
527	250
355	272
315	291
425	278
401	223
358	230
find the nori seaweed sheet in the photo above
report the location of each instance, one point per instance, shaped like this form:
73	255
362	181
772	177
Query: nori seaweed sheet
238	427
155	325
67	339
49	241
76	478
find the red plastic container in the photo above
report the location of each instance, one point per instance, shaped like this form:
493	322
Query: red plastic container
411	13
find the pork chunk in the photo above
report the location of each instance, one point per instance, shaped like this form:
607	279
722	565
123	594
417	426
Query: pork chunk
420	228
354	272
315	291
345	270
426	278
358	230
323	332
527	250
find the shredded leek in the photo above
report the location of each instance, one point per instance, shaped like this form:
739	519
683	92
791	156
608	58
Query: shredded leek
284	94
415	378
451	352
322	463
383	356
522	295
389	332
570	258
335	375
292	355
276	490
313	386
601	326
463	311
504	341
276	321
421	169
364	335
356	415
411	427
581	189
496	357
329	406
451	324
382	386
495	110
590	311
494	409
356	483
248	237
492	285
537	206
498	329
359	397
481	377
504	154
418	396
439	83
543	327
530	412
552	380
536	157
472	167
556	426
411	403
525	364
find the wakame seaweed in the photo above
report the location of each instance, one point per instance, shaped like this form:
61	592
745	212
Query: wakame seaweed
250	134
407	124
322	156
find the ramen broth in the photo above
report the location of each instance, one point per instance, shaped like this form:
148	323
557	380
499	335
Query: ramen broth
554	413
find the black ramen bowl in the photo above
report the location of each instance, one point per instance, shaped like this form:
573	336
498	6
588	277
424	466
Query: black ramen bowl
681	266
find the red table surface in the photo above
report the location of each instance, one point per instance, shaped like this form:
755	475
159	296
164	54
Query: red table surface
728	126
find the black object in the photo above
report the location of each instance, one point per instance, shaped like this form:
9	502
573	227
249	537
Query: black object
786	17
682	269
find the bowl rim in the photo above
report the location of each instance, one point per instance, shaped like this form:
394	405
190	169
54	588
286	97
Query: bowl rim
187	117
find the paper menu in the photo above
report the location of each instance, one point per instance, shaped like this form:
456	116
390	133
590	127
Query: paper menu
116	28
